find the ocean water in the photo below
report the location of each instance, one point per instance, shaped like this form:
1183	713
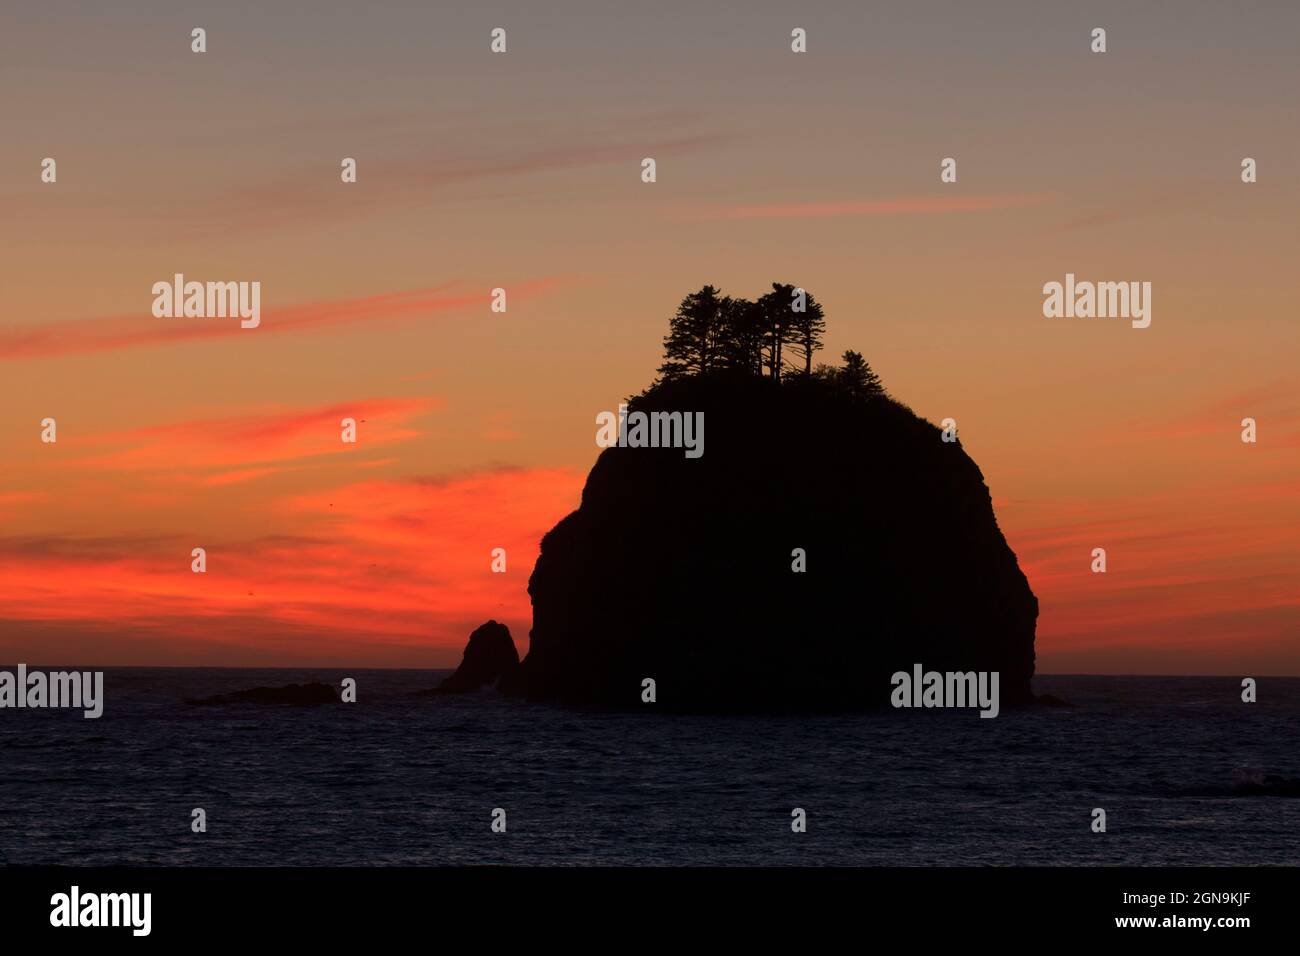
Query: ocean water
402	779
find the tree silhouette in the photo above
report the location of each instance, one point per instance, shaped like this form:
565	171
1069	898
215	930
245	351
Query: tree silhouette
858	378
806	324
694	340
775	323
741	346
712	333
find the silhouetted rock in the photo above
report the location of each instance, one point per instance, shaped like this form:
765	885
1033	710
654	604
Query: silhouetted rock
679	569
489	654
300	695
1254	783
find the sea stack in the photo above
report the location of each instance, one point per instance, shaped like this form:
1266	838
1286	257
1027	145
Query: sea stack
489	654
688	571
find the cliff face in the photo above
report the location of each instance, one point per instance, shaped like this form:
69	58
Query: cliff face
679	569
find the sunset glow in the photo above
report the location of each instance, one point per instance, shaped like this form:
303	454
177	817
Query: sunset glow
475	428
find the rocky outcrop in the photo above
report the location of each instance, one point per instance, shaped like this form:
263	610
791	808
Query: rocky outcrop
680	570
1255	783
489	654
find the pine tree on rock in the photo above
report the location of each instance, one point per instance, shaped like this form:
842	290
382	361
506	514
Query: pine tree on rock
777	327
858	378
694	342
807	325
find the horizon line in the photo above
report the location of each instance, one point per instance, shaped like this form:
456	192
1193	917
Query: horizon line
320	667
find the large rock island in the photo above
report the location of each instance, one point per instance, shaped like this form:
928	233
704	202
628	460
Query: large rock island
681	569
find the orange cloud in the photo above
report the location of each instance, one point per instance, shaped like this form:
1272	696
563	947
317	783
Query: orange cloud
13	503
1203	565
1272	404
142	329
247	443
403	564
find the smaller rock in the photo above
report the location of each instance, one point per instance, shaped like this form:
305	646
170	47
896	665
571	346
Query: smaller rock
1253	783
489	654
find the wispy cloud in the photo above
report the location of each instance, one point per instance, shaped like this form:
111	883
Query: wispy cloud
142	329
1174	563
1139	206
247	445
909	206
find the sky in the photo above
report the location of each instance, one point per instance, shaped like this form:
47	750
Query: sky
522	171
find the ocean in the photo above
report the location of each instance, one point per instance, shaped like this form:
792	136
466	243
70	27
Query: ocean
402	779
